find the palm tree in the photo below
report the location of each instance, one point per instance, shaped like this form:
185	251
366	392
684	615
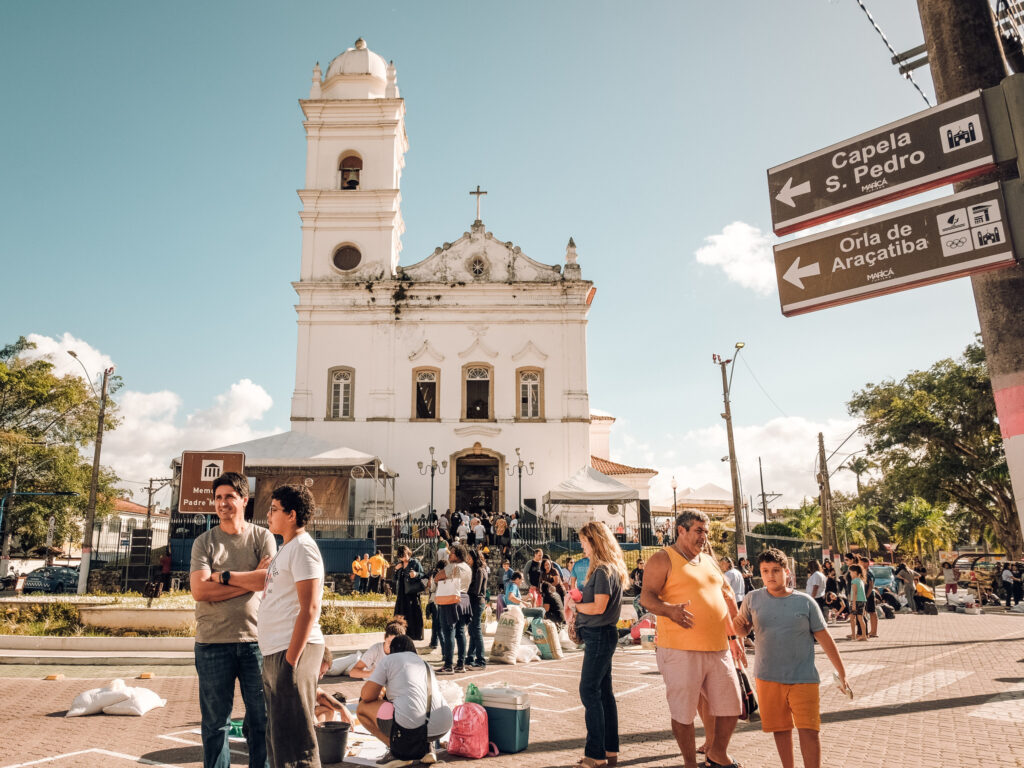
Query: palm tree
858	466
865	527
805	520
922	527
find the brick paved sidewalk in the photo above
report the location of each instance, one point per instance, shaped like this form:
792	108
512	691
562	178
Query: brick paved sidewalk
943	690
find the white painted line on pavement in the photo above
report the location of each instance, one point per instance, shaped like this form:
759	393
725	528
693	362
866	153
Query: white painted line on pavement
852	670
618	695
1007	706
94	750
913	689
175	736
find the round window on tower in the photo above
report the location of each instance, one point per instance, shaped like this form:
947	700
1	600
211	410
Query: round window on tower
347	257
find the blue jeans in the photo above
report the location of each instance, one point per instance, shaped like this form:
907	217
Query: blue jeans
219	665
476	635
453	632
600	711
357	584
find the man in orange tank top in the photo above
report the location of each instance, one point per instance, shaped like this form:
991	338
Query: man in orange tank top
685	589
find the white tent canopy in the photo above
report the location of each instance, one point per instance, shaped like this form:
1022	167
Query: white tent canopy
295	449
588	486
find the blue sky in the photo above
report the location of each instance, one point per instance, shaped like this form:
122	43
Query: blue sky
151	154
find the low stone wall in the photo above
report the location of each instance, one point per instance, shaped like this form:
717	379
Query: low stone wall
118	617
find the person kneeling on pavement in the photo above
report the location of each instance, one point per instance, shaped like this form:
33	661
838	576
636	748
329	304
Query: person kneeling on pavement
394	703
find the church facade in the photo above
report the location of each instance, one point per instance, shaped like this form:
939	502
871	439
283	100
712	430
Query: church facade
474	357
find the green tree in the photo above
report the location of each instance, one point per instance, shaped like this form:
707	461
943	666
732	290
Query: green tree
46	422
863	527
774	528
805	520
858	466
922	528
935	436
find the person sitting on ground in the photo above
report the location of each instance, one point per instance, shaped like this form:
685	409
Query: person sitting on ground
554	607
513	595
369	661
405	678
836	605
330	708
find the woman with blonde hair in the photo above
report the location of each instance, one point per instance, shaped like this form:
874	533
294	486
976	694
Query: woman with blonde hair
597	613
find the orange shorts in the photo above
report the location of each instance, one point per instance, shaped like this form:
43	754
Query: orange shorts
783	706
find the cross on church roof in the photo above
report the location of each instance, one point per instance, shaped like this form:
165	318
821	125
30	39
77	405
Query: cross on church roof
477	192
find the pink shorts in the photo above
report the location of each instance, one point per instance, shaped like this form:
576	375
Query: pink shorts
689	674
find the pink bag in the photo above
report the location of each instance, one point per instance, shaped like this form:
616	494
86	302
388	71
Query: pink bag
469	732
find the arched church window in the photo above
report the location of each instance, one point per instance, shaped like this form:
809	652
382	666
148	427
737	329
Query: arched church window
530	394
349	170
339	400
425	392
347	257
477	392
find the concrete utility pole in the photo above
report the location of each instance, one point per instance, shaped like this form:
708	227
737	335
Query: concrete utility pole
90	514
828	523
734	469
965	55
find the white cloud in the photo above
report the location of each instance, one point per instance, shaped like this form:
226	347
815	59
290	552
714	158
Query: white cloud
151	431
788	447
744	253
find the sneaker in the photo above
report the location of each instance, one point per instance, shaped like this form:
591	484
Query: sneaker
476	665
446	670
390	761
460	668
429	759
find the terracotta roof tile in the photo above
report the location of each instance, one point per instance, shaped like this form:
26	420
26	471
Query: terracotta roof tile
606	467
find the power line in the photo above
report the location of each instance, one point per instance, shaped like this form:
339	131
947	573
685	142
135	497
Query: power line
763	390
892	50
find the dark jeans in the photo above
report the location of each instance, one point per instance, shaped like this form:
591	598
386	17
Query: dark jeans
291	696
453	632
476	634
600	711
435	624
219	665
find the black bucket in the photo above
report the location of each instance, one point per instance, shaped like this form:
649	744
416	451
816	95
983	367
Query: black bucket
332	740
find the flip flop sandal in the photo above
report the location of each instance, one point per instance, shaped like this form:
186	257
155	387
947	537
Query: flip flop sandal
589	762
713	764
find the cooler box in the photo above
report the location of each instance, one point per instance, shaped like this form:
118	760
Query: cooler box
508	718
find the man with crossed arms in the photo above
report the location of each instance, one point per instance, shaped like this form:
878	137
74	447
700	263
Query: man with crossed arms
685	588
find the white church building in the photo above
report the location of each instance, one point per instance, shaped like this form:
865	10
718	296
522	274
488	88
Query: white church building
475	355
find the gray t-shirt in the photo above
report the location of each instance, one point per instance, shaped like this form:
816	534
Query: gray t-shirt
404	676
600	583
784	628
234	620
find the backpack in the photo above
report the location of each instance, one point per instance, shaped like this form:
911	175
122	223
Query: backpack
888	611
469	732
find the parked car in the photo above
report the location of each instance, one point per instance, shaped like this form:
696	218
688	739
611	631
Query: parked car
52	578
884	577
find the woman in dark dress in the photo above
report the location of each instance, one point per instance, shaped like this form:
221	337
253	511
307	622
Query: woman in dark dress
408	585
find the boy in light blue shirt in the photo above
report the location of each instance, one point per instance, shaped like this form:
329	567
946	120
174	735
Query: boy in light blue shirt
857	601
512	594
786	624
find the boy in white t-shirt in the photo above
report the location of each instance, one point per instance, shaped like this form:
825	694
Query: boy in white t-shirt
288	628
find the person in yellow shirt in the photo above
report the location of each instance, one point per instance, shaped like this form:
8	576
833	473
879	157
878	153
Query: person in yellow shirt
378	568
360	575
684	587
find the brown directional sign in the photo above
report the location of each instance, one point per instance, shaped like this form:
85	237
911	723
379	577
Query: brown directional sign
941	240
938	146
198	471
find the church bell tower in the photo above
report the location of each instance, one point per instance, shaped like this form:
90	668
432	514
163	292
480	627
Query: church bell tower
355	151
351	204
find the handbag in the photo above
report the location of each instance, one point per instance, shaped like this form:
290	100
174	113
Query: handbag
413	586
447	592
413	743
748	698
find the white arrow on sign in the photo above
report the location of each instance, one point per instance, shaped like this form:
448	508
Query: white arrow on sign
788	192
796	273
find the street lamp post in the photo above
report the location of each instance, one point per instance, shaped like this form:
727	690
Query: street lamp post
733	467
90	513
435	469
518	468
674	486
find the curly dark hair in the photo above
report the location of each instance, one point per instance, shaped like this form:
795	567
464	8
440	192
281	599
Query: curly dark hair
297	499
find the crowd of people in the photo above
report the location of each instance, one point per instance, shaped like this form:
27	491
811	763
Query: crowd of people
258	610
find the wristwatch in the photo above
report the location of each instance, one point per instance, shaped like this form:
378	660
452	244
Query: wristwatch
225	577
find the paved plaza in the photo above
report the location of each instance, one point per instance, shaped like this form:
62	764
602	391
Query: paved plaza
944	690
